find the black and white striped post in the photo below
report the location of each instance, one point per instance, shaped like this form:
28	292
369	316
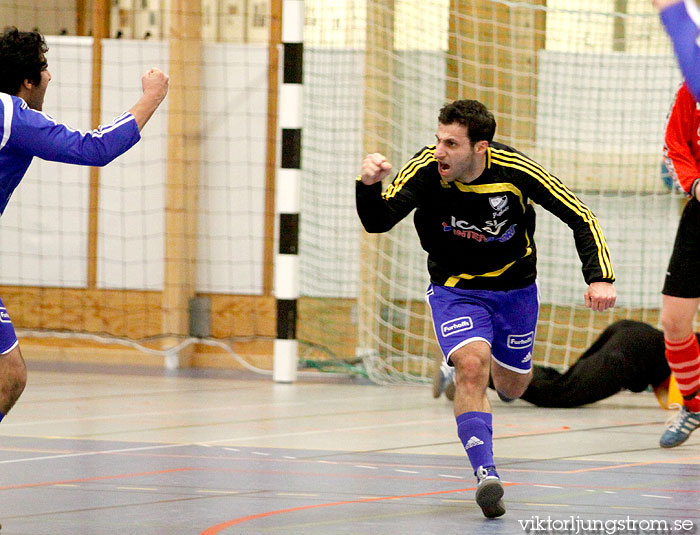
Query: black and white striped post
288	191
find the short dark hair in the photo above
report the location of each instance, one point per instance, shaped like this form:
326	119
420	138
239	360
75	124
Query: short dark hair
22	57
472	114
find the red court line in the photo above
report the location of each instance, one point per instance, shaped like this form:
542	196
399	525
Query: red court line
86	479
218	528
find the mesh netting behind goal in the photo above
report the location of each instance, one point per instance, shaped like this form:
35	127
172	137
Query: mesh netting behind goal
579	88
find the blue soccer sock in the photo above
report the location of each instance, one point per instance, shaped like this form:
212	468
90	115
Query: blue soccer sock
475	430
1	416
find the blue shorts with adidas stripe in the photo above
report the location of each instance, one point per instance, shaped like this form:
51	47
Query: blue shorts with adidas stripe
506	320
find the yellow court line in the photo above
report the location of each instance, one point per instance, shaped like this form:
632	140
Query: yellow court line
547	504
630	465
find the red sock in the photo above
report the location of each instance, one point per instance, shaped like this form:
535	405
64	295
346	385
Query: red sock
683	358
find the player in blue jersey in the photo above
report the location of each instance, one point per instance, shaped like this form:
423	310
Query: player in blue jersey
473	214
681	18
26	132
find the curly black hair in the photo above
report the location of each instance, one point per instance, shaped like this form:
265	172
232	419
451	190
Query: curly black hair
22	57
479	121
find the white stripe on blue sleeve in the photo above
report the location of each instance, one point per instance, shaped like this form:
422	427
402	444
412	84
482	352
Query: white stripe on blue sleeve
8	112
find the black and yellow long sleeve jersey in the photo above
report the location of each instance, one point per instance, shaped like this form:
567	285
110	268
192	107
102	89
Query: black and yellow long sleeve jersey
481	235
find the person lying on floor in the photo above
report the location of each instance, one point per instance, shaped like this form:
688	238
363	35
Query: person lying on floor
628	355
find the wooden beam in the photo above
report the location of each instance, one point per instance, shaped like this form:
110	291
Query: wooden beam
376	128
619	26
100	30
81	27
271	147
492	58
182	181
379	59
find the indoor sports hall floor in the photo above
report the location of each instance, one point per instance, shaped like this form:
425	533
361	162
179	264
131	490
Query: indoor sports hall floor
92	451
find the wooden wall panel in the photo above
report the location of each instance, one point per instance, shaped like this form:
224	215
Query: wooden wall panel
130	314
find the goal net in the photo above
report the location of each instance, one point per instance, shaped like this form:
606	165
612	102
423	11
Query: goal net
581	87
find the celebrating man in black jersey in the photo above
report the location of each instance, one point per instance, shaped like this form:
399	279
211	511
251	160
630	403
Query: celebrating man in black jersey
474	218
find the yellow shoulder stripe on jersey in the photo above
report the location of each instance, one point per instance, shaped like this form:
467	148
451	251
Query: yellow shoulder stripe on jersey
566	197
409	170
538	172
497	187
563	195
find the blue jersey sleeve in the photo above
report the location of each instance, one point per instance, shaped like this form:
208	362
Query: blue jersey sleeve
684	34
36	134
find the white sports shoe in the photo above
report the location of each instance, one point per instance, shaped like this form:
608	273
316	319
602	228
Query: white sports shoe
489	492
444	381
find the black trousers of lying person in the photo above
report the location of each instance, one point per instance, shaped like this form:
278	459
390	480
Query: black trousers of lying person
628	355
